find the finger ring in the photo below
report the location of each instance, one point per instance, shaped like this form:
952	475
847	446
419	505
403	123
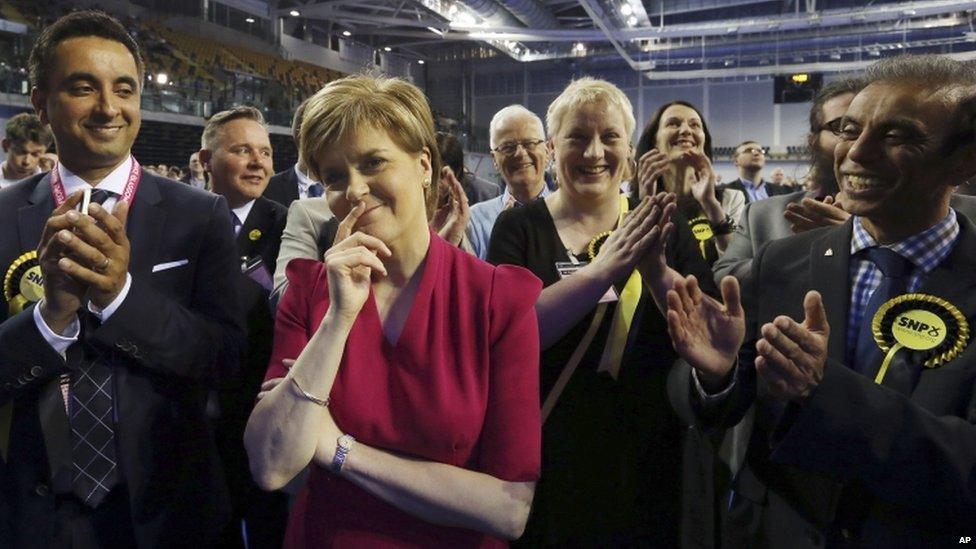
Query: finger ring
101	268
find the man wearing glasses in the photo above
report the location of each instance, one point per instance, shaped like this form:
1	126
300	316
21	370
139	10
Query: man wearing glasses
750	159
783	215
518	148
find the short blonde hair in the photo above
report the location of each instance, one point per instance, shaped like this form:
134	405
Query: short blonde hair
589	90
353	103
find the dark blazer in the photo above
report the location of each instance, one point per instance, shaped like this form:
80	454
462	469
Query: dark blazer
163	341
265	512
283	187
772	189
912	459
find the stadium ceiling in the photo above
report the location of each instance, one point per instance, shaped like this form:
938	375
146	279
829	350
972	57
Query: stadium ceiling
663	39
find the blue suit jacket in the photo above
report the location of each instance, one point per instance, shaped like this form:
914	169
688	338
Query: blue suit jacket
164	342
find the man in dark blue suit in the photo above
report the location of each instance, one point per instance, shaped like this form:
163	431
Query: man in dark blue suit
864	419
237	154
294	183
105	368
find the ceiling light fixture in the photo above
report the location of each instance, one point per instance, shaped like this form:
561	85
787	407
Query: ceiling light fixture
420	61
579	47
294	13
387	48
346	34
626	10
249	20
632	21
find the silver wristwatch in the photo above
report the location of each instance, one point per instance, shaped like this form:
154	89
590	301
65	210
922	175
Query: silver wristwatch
344	445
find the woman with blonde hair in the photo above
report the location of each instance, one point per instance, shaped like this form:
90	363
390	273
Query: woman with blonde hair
611	443
410	369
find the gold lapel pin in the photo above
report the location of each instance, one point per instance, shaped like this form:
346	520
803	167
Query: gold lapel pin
254	235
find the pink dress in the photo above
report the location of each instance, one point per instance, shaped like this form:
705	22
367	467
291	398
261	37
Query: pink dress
460	386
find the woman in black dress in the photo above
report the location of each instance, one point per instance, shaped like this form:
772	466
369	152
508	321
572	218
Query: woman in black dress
675	155
611	463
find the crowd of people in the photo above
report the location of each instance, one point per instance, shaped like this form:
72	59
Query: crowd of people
376	348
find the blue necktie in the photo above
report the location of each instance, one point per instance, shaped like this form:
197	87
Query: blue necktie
315	190
895	272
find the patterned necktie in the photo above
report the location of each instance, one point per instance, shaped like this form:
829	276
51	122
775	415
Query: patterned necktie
315	190
95	471
895	271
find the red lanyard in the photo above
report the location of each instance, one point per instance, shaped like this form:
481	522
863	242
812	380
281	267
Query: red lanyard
128	193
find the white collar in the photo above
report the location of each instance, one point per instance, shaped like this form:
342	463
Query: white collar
303	180
114	181
243	211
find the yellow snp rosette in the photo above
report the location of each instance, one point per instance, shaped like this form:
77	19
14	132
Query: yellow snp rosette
702	229
23	284
933	330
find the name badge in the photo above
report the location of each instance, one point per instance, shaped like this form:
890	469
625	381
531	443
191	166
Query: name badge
566	268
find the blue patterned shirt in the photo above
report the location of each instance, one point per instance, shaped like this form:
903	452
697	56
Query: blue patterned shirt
924	250
484	214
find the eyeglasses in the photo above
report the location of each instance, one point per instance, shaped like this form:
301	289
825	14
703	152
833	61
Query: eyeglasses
834	126
510	147
753	150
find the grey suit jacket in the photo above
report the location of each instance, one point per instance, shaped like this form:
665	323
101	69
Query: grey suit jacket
763	221
303	230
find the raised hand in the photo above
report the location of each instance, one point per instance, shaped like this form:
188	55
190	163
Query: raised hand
654	263
792	355
63	295
810	214
652	166
97	255
350	265
706	333
629	243
451	219
703	183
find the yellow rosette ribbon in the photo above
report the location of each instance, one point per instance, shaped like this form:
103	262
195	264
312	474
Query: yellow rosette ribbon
623	315
933	330
23	283
702	229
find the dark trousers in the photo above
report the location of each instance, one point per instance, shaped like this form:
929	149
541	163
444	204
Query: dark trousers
107	527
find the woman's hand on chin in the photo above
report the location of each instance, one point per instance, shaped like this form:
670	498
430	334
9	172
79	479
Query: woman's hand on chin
350	264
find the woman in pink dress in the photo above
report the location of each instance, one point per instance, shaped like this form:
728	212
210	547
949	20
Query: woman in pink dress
413	392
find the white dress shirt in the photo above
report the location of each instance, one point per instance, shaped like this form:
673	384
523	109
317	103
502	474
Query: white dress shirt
304	182
241	214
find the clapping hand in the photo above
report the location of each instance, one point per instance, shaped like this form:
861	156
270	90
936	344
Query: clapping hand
703	182
630	242
97	251
810	214
706	333
652	166
654	263
792	355
63	295
350	264
451	219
